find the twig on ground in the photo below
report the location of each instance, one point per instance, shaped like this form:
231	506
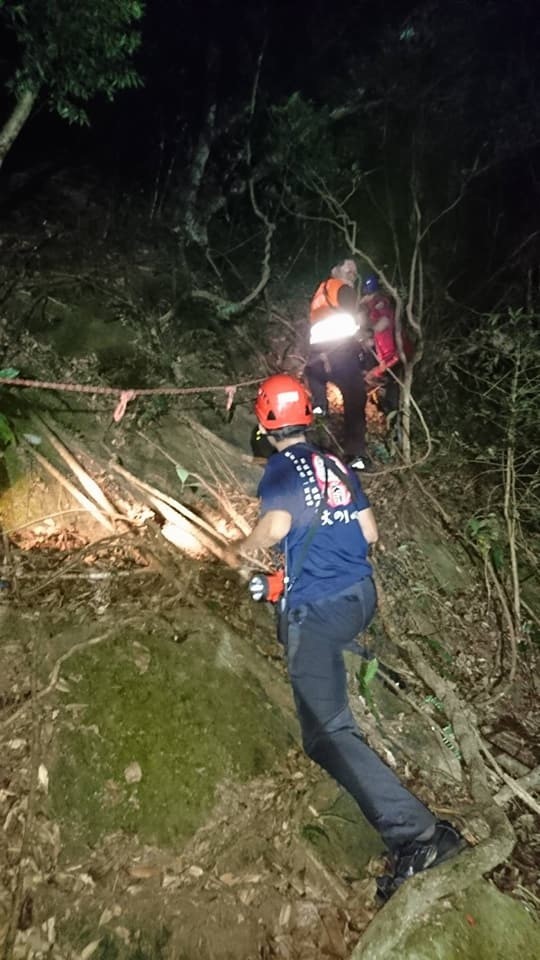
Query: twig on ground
515	786
221	498
55	672
49	516
207	535
529	780
89	548
25	852
489	569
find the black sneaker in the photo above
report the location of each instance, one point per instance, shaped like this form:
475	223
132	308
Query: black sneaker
421	855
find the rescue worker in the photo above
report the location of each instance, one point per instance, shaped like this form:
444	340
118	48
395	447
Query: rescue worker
336	355
313	507
381	321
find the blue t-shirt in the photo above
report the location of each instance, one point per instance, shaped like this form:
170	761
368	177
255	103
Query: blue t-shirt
294	480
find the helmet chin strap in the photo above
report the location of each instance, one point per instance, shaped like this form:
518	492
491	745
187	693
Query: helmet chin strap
285	433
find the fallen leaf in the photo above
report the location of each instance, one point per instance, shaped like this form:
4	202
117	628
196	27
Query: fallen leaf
89	949
141	871
133	773
141	656
50	929
229	879
285	915
43	778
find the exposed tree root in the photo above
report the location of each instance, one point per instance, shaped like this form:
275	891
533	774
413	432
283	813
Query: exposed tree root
416	896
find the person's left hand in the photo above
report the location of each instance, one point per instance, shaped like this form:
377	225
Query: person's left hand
371	379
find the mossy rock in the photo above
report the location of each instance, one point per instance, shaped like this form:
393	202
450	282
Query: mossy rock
480	924
180	713
448	565
341	836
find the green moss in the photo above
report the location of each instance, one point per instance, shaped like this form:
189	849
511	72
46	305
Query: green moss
448	565
186	722
481	924
342	837
148	943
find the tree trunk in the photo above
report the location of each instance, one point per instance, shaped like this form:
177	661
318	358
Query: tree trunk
194	229
406	412
14	124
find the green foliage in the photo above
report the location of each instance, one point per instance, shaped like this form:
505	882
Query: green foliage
314	832
437	648
486	534
494	413
153	409
449	740
447	732
73	49
301	142
366	674
365	677
6	433
182	474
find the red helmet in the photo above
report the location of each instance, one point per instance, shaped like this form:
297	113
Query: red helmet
282	401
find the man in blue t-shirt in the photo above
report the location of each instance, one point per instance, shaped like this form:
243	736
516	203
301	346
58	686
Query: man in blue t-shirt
315	510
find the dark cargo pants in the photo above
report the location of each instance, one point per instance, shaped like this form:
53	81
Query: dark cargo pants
343	366
318	633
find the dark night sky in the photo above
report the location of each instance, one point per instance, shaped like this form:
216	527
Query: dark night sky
314	47
470	72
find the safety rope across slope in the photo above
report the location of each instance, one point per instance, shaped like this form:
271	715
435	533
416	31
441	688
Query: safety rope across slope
124	396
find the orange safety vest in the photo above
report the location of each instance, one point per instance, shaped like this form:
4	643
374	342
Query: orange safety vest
325	301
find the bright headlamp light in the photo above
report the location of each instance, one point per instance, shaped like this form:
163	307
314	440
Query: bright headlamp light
337	327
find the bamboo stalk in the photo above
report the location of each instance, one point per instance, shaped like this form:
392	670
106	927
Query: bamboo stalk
175	517
175	504
223	501
92	488
72	489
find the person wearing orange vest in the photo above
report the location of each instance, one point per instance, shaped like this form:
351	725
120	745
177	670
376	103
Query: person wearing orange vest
336	355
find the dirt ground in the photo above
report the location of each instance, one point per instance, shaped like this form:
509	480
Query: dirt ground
154	799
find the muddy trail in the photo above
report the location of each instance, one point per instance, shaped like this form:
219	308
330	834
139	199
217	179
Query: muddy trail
154	799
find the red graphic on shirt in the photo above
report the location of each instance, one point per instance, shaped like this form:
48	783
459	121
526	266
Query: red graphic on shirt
337	493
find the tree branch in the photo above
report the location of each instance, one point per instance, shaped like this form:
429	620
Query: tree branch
14	124
226	308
